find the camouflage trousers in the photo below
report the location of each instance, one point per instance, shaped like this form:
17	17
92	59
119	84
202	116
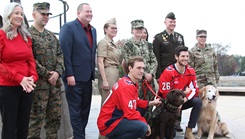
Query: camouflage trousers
147	96
46	111
203	81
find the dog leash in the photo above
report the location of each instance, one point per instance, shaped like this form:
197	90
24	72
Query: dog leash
145	86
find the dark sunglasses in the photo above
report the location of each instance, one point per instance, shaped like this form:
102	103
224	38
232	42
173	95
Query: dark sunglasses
43	14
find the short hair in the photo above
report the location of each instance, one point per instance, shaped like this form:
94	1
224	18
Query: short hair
80	6
105	27
7	25
179	49
132	61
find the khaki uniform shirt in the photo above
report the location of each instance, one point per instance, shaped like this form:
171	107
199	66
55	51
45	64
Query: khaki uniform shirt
110	51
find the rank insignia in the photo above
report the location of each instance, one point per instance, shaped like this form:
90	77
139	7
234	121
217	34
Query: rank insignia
180	39
164	37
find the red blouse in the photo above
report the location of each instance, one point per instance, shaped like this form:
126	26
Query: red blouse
16	60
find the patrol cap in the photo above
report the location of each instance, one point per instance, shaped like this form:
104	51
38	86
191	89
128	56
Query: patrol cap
201	33
111	21
42	7
171	16
137	24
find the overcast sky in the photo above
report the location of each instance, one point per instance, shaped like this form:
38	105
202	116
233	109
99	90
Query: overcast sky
224	20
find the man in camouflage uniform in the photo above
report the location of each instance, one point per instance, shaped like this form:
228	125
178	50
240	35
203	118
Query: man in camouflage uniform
204	60
164	45
49	59
138	47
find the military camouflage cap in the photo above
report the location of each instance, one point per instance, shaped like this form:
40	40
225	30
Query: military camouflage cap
171	16
42	7
111	21
201	33
137	24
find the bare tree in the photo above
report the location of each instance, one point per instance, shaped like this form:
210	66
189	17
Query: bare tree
220	49
227	64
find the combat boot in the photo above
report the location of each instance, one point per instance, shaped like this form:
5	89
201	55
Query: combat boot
177	126
188	133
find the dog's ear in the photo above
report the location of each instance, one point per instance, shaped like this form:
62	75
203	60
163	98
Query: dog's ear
201	92
182	94
170	95
217	92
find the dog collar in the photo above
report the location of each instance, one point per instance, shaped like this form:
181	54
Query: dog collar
170	106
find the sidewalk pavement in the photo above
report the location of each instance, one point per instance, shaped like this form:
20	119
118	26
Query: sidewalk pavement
231	109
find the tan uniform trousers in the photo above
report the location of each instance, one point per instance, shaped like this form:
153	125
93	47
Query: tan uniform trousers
112	75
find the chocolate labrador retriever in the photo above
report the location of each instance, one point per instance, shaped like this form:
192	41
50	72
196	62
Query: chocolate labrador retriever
166	114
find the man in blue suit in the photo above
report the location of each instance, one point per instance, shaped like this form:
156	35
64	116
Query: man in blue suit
78	43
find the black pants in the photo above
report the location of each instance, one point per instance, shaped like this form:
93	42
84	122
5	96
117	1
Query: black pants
196	104
15	106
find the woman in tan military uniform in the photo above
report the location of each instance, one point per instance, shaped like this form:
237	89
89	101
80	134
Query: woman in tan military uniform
108	59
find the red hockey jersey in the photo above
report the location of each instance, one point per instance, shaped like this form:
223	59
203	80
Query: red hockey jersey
121	103
172	79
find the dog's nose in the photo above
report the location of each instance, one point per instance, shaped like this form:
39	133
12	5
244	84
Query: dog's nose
214	96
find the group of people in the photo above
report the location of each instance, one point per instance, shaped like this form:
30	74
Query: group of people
31	63
33	60
167	60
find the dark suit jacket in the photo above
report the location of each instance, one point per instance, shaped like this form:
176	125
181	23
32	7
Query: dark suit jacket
79	58
164	49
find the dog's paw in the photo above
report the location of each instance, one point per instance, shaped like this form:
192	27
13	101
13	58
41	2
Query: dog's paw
198	137
228	136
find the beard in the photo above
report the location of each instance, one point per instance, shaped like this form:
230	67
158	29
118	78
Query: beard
183	63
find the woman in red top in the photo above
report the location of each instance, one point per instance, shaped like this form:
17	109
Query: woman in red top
17	73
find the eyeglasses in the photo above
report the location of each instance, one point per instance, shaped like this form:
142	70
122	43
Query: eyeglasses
140	28
203	36
114	28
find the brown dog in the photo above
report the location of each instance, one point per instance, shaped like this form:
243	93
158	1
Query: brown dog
167	116
208	121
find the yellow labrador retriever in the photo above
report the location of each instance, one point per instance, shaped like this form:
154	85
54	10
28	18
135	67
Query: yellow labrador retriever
208	121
